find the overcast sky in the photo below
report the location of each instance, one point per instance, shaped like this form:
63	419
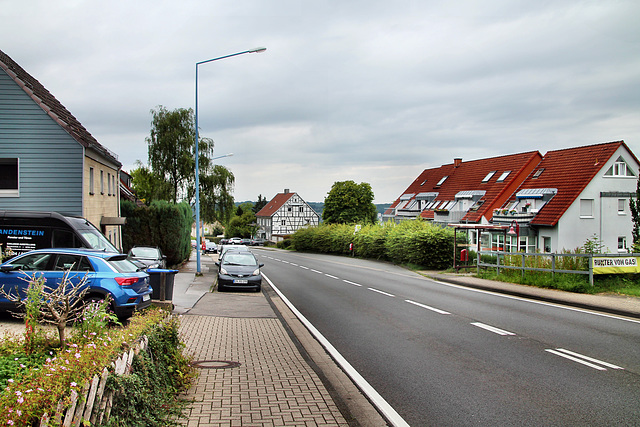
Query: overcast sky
365	90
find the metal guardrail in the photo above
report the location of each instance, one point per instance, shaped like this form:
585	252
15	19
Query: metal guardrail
553	257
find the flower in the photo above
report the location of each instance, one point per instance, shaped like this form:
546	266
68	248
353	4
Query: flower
73	384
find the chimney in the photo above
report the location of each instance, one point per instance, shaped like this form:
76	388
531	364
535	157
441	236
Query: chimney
457	162
286	191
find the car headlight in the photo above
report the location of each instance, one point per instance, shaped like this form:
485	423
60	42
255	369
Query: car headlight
256	272
223	271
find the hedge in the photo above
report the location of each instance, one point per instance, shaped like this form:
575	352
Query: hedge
410	242
162	224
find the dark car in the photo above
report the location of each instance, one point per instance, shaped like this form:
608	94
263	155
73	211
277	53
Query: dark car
149	256
258	241
239	270
106	274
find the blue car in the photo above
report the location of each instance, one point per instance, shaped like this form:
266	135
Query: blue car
106	273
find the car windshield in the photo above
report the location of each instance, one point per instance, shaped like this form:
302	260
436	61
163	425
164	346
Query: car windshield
97	240
239	258
142	252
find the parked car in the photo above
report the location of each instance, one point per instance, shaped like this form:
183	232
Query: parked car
223	249
223	242
149	256
235	241
106	274
258	241
239	270
210	247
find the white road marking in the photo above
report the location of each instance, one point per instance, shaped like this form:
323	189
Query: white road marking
381	292
351	283
383	406
333	277
316	271
437	310
492	329
302	266
581	358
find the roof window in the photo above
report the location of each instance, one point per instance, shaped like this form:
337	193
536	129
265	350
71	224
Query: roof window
489	176
538	173
442	180
504	176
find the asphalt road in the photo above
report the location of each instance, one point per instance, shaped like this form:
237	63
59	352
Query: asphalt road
444	355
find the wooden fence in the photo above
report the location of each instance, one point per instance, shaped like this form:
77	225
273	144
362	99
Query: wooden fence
93	404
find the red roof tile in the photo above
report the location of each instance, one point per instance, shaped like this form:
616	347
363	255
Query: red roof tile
569	171
468	176
276	203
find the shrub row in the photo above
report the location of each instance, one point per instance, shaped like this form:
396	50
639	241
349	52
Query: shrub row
410	242
162	224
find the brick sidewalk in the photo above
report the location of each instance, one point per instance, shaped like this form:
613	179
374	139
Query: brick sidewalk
272	386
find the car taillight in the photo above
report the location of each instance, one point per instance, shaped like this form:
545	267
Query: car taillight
126	281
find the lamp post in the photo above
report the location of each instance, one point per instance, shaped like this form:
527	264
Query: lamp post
256	50
514	230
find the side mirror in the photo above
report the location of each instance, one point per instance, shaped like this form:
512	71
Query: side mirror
261	265
217	263
8	268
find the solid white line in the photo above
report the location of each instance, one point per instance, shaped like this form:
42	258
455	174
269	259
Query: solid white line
333	277
387	410
381	292
316	271
575	359
590	359
351	283
492	329
533	301
427	307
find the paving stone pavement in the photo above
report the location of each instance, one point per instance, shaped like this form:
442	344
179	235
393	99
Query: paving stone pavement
271	385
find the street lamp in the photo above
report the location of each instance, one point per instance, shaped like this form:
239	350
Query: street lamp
256	50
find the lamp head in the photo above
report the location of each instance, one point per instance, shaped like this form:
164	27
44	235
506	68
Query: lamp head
258	50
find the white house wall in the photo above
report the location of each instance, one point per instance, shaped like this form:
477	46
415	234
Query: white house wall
573	230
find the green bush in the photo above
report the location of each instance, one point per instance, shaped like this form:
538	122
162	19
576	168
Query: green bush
410	242
162	224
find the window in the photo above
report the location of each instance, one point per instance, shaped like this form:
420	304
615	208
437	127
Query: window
619	168
301	209
504	176
489	176
538	173
622	243
442	180
621	206
109	183
113	184
586	208
91	181
101	182
9	178
546	243
284	222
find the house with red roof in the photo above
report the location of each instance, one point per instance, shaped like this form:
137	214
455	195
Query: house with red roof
574	194
285	214
552	202
49	161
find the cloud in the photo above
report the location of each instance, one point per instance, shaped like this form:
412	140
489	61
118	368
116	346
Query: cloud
371	91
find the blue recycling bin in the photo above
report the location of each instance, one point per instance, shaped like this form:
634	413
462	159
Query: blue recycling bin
161	281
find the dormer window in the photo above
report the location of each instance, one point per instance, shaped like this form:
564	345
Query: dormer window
489	176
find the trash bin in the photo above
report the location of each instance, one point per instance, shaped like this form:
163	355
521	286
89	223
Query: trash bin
161	281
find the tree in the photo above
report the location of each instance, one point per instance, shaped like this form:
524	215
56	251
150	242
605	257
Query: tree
261	203
243	224
349	203
634	206
171	173
149	186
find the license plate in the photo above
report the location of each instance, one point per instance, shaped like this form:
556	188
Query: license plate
146	297
240	281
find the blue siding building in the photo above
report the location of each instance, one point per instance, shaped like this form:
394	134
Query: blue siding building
48	160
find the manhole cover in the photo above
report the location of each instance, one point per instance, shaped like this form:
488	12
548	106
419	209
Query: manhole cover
215	364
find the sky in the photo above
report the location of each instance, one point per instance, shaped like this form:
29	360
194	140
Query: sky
370	91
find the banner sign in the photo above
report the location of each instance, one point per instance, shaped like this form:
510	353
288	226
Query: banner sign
617	265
